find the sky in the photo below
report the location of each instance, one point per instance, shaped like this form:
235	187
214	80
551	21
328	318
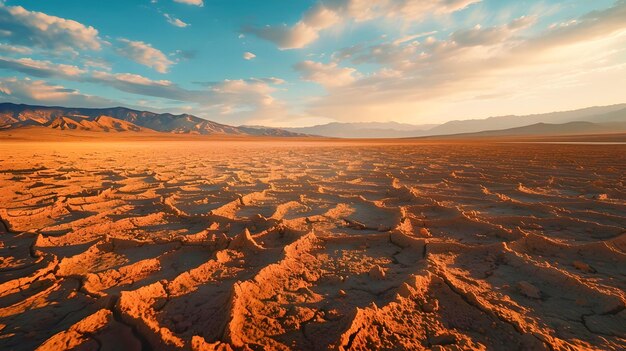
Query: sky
299	63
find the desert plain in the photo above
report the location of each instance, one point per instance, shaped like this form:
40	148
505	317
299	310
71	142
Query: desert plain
312	245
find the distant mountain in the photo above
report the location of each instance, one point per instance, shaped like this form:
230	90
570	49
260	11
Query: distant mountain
614	116
603	114
98	124
266	131
120	119
547	129
604	119
365	130
614	113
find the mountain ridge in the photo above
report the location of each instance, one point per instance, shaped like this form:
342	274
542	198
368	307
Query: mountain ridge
364	129
595	114
542	129
589	114
19	115
123	119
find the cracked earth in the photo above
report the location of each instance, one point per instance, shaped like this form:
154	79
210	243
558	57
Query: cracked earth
236	245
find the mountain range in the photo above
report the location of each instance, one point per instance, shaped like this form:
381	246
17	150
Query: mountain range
365	130
602	114
544	129
593	120
596	115
120	119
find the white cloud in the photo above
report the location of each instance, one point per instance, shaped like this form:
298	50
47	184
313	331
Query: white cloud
41	68
14	49
191	2
144	54
36	29
329	75
410	9
140	85
225	97
321	17
302	33
130	78
328	14
418	76
296	37
239	94
248	55
40	92
175	21
411	37
270	80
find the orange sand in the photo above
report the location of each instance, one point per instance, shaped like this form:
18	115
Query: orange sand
220	245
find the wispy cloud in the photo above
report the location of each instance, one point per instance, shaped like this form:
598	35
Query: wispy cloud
302	33
175	21
401	58
14	49
327	14
144	54
36	29
329	75
414	75
191	2
42	69
40	92
230	93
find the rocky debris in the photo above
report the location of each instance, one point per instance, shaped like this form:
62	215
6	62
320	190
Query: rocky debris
582	266
79	333
431	306
199	344
528	290
377	273
425	233
244	241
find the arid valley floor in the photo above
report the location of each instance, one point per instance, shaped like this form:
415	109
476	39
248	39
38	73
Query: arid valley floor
312	245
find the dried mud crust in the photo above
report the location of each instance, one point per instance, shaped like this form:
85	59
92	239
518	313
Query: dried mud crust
312	246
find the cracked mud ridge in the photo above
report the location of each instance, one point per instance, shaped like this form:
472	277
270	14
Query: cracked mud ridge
312	246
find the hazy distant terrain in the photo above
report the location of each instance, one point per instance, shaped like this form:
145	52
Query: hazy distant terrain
365	130
546	129
614	113
596	115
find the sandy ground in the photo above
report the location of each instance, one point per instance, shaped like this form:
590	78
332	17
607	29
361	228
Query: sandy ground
312	245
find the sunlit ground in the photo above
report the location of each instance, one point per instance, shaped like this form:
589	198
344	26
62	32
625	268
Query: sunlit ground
312	245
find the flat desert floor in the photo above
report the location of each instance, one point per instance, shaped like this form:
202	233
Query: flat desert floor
248	245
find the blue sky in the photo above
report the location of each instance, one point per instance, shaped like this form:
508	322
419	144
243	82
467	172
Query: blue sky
295	63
